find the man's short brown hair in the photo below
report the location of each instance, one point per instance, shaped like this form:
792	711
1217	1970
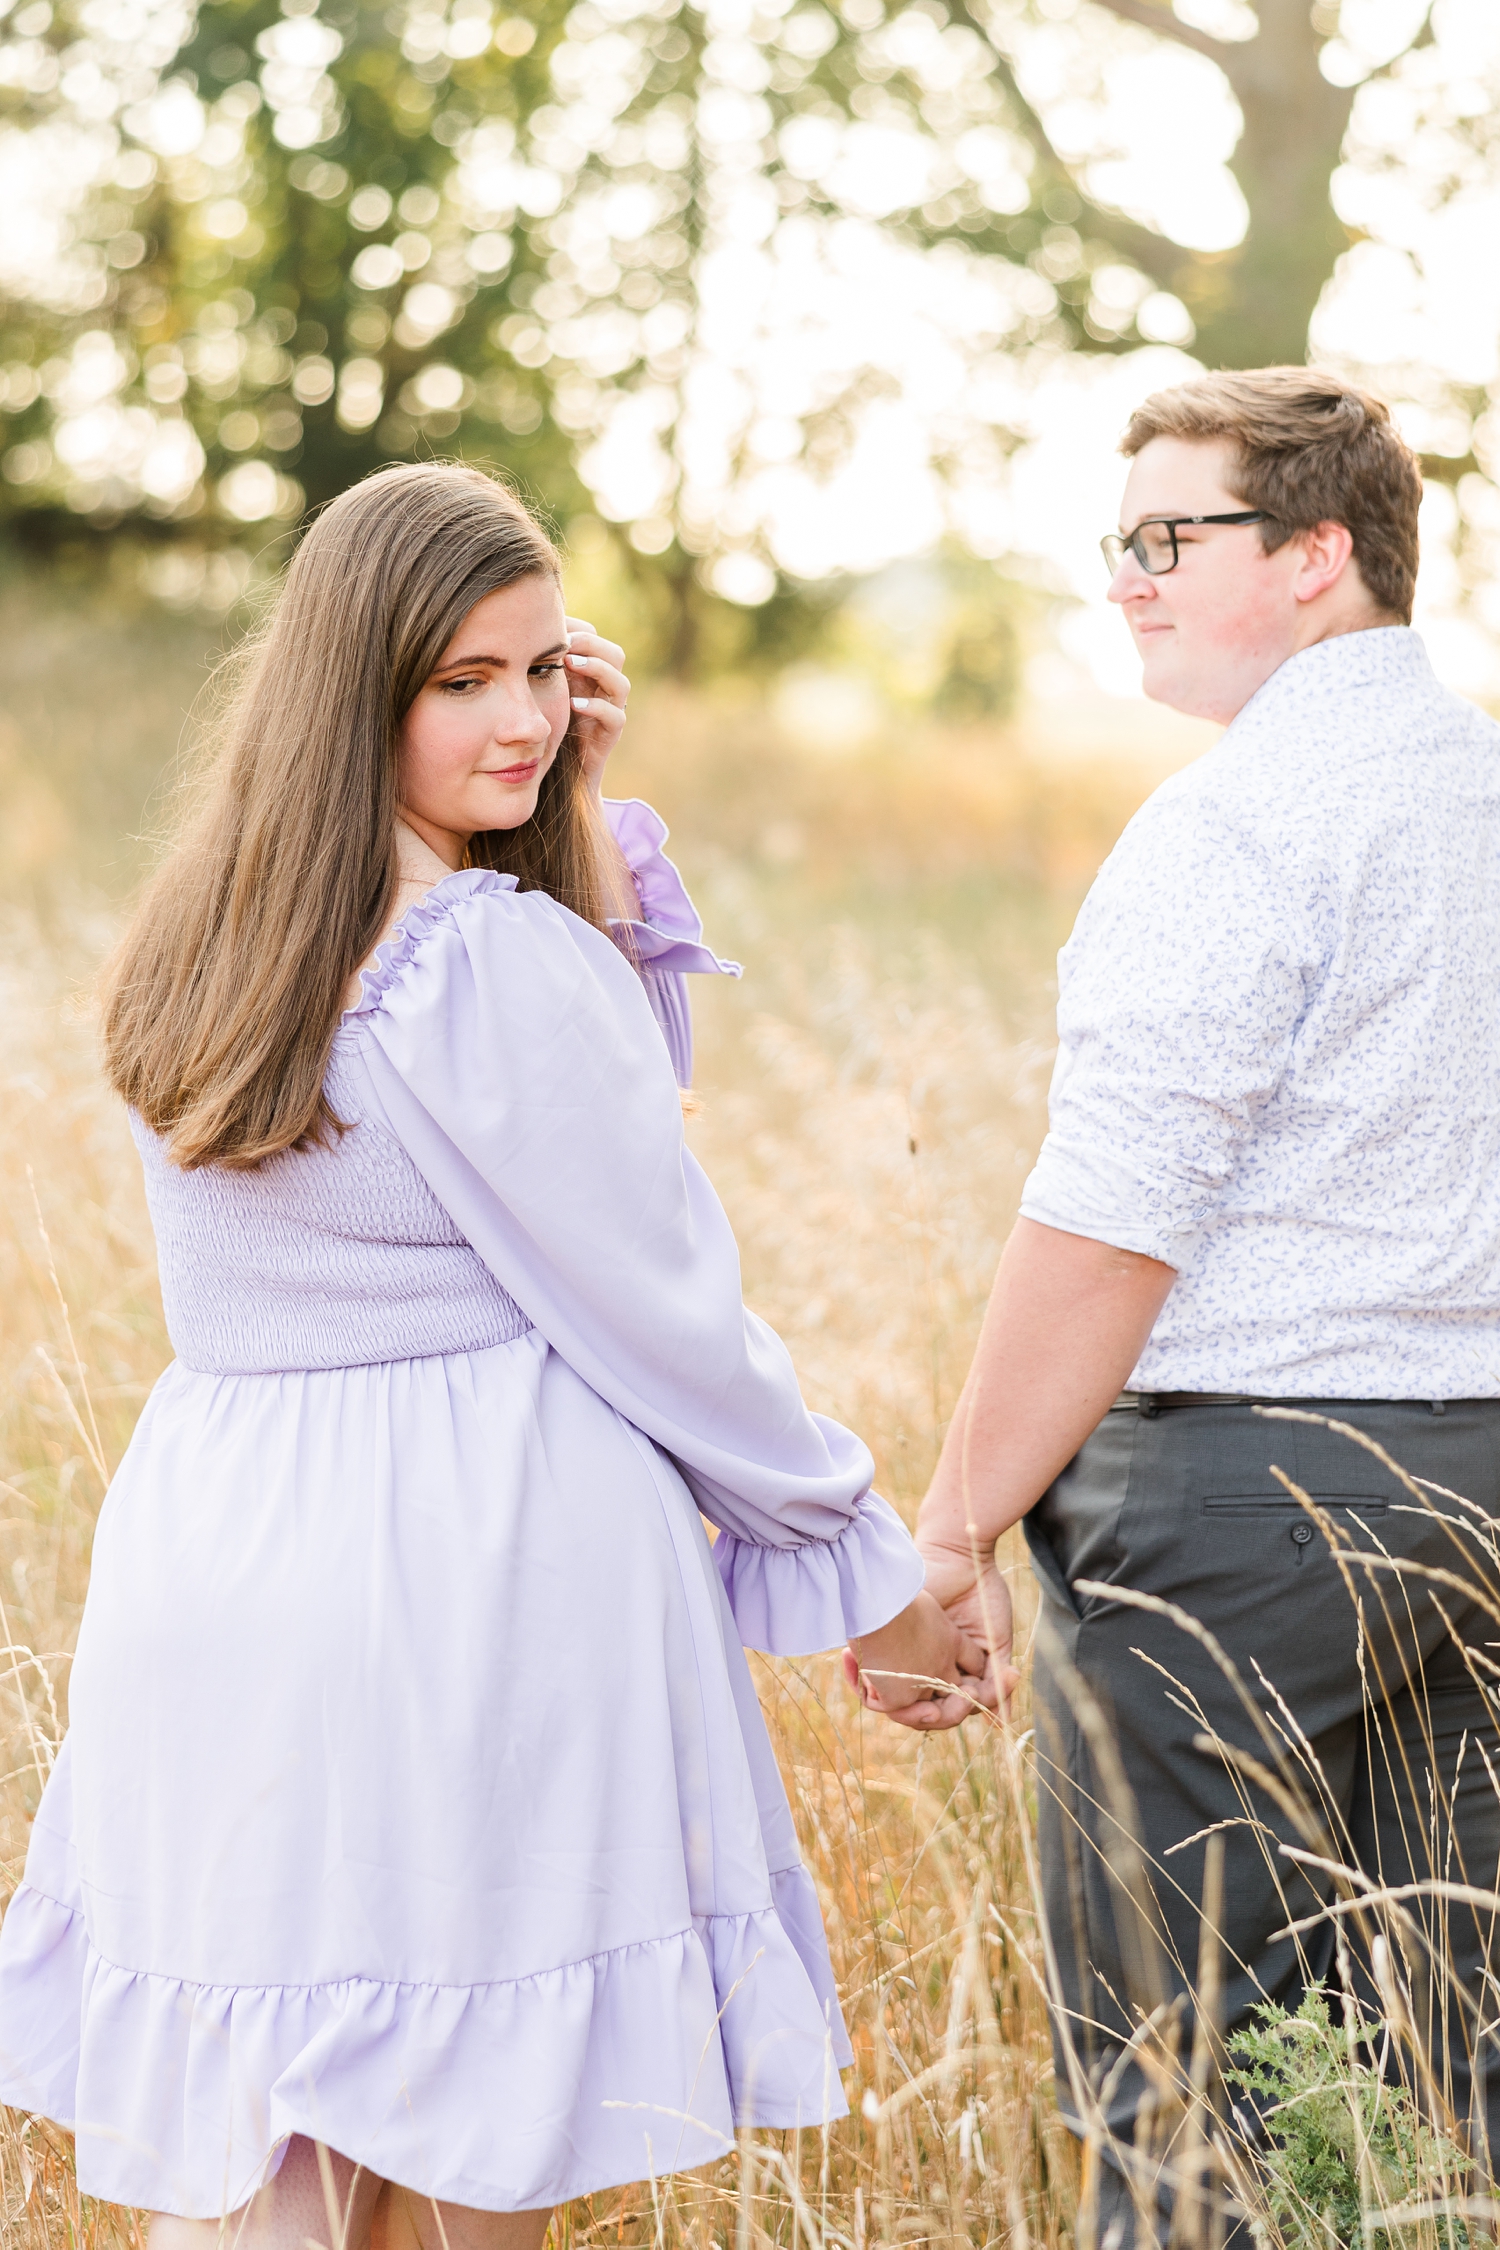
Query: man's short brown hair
1311	449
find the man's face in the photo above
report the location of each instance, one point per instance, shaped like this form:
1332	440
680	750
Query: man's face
1213	630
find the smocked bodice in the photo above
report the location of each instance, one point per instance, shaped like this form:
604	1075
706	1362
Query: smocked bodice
342	1256
328	1257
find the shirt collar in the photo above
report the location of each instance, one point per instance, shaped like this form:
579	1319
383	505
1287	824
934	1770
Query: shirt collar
1390	654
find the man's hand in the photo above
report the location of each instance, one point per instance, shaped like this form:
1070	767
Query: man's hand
977	1599
598	689
920	1670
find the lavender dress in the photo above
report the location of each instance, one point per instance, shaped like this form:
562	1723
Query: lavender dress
417	1797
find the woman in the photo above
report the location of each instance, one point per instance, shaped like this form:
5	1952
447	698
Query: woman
416	1859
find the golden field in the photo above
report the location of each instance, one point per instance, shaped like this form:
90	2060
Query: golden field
872	1095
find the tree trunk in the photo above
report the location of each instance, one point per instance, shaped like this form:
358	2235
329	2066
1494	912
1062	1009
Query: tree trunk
1252	305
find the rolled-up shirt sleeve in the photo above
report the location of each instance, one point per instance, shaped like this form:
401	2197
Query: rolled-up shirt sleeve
1179	997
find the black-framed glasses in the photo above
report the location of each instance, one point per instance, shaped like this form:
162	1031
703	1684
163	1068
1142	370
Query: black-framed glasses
1154	542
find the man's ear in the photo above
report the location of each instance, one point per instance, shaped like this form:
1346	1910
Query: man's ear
1327	553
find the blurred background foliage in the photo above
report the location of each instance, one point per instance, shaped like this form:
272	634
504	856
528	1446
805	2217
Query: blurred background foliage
293	239
810	324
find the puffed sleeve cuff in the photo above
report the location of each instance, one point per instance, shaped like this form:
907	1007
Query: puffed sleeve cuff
1091	1192
669	933
794	1601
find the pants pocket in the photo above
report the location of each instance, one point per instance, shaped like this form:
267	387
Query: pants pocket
1275	1504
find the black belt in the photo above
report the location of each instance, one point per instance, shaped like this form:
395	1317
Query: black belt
1152	1403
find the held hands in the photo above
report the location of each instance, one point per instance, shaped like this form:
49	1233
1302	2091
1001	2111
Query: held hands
921	1669
956	1632
598	688
975	1596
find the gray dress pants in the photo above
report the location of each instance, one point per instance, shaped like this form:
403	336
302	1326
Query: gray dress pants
1368	1716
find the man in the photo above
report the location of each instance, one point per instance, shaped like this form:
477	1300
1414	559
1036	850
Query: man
1272	1175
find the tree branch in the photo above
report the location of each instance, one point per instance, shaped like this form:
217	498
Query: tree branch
1160	258
1154	253
1153	17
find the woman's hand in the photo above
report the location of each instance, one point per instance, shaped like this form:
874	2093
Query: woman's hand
906	1669
598	688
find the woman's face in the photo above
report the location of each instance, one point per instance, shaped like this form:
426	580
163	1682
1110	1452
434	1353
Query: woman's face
487	725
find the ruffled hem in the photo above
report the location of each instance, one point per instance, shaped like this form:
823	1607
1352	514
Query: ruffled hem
670	932
794	1601
503	2097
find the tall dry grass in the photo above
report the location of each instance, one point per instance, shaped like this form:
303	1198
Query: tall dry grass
869	1138
873	1094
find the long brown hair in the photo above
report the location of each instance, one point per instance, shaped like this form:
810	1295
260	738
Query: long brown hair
221	1003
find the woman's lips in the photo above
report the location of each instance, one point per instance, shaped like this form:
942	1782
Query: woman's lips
511	773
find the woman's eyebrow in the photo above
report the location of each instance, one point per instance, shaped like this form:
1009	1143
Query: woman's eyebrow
463	663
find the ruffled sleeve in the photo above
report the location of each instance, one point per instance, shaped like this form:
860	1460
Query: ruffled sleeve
514	1054
666	941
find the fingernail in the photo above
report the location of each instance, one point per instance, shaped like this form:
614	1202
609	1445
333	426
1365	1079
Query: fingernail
580	702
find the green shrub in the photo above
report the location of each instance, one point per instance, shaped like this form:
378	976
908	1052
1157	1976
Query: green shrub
1347	2146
